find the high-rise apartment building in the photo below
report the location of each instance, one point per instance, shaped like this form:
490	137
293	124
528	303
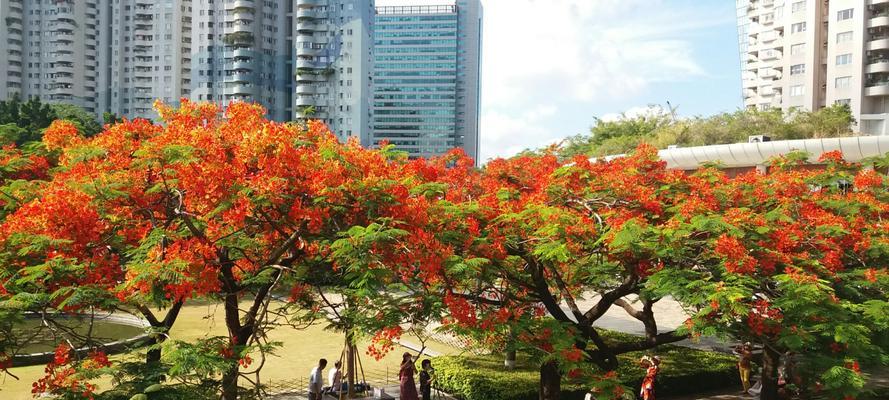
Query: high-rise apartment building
51	50
426	73
300	58
147	56
813	53
332	58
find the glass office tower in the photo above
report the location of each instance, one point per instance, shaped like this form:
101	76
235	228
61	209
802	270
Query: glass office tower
426	64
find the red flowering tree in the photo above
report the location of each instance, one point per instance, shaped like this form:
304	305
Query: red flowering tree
797	263
226	207
545	249
67	378
23	171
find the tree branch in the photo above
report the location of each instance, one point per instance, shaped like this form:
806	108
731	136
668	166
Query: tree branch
629	286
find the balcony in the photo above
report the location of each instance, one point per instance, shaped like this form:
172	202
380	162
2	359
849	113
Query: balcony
238	38
64	25
878	43
240	29
769	55
63	56
310	89
240	65
307	26
243	77
877	66
61	89
242	53
877	89
14	23
307	78
307	51
310	3
303	101
312	39
240	14
307	14
306	64
239	89
878	20
240	4
877	2
143	73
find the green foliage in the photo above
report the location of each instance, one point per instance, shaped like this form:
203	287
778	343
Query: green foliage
85	122
24	122
238	38
683	371
658	128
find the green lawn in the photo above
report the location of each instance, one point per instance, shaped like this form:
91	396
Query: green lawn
300	352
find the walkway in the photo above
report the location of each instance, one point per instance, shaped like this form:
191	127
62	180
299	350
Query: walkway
721	395
390	391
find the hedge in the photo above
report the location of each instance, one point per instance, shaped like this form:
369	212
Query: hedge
683	371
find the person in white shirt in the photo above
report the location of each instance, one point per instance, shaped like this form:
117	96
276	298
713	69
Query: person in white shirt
335	377
316	380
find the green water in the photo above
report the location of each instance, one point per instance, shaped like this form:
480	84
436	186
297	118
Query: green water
36	338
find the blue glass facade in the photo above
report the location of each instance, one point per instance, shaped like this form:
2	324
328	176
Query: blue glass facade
416	64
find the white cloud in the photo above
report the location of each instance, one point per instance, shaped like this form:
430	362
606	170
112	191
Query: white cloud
568	52
542	58
633	112
510	134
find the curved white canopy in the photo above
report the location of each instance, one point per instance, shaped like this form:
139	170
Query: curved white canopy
736	155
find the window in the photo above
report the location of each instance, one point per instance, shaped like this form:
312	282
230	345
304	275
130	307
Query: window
798	27
843	82
843	15
797	49
844	59
798	69
797	90
798	6
844	37
843	102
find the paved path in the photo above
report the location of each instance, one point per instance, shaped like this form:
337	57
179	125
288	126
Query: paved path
721	395
668	314
390	391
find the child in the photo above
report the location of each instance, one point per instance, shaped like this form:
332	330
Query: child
426	374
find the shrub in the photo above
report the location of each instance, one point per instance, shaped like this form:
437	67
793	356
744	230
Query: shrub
683	371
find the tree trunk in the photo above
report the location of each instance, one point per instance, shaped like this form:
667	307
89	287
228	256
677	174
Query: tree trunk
154	355
509	361
550	381
350	370
161	328
770	361
230	383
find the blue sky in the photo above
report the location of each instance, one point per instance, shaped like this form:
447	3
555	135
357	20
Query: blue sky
551	66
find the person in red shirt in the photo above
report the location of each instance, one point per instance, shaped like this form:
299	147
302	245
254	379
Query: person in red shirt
652	367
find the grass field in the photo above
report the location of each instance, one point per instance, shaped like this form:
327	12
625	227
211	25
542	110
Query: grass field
299	354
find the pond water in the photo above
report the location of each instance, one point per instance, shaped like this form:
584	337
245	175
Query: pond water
37	338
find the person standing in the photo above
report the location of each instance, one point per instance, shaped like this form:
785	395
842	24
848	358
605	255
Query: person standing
426	372
652	367
745	363
316	380
406	378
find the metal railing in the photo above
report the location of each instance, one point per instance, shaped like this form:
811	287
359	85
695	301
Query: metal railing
439	9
